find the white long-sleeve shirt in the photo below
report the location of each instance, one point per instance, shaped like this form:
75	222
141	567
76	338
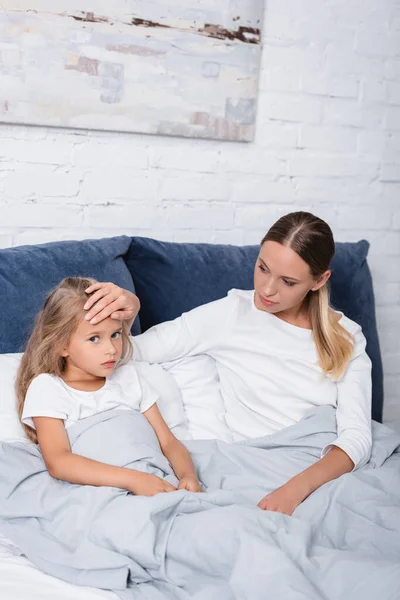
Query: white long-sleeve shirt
268	369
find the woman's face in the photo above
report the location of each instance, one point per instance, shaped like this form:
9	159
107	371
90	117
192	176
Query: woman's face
282	279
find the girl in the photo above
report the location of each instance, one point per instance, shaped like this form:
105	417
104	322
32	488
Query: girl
280	350
72	369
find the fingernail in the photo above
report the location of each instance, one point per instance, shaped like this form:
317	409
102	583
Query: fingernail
88	317
93	321
86	306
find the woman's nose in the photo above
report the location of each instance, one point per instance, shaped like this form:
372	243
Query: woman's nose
270	288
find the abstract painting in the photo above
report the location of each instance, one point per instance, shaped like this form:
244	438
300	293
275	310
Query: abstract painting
173	67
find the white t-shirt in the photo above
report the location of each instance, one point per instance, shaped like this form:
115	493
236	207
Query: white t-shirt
49	396
268	369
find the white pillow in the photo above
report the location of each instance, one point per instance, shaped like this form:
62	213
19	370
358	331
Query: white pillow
10	425
198	380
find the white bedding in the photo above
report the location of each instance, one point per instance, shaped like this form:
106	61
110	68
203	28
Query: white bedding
20	580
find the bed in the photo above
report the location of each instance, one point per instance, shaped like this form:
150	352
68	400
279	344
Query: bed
150	268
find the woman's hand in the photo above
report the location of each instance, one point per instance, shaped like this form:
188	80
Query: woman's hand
109	300
285	499
190	483
144	484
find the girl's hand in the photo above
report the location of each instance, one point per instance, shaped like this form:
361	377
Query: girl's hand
284	500
109	300
144	484
190	483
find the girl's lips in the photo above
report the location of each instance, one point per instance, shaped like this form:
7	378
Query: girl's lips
109	363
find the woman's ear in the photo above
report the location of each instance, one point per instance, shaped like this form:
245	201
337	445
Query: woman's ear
64	353
321	281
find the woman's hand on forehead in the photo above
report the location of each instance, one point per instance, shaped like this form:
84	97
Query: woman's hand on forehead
110	300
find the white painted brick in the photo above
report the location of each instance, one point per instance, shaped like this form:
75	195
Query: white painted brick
198	217
392	69
383	243
253	236
384	269
325	84
339	112
392	145
390	172
42	236
40	182
232	236
6	240
390	194
322	166
392	120
39	215
363	218
375	42
331	139
320	189
44	151
257	217
372	143
253	160
387	293
194	188
394	92
373	91
276	134
260	189
389	341
185	158
291	107
391	387
388	316
119	216
113	155
99	185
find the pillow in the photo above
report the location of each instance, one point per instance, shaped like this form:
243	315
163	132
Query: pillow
172	278
10	425
28	273
197	379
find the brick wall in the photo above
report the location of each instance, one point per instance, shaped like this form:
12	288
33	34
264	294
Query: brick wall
327	140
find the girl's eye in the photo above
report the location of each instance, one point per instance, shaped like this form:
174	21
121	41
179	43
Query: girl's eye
94	338
289	283
262	268
116	335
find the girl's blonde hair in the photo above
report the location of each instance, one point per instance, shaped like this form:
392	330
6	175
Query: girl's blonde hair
56	322
312	239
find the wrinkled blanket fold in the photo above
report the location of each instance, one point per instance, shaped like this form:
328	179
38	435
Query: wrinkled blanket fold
342	542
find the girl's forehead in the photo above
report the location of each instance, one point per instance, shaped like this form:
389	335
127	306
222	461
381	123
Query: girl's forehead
106	326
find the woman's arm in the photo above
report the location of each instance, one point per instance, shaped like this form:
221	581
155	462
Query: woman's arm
286	498
174	451
352	447
63	464
195	332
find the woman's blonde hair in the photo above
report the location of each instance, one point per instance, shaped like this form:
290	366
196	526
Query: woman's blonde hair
312	239
55	324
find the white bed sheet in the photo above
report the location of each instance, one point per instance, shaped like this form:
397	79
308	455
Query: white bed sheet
21	580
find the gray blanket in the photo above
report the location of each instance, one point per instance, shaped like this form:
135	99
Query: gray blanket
342	542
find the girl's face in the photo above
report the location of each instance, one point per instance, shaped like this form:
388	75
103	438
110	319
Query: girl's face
94	350
282	279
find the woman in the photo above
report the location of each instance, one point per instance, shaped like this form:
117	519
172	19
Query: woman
280	350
